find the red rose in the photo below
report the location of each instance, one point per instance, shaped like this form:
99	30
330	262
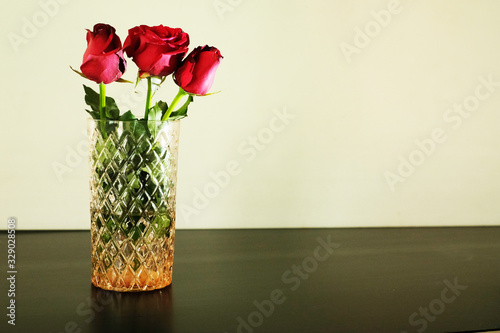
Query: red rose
157	51
103	59
197	72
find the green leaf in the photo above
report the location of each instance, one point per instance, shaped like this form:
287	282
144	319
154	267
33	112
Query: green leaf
133	181
94	114
110	127
157	111
139	130
112	111
163	106
91	98
182	111
133	126
106	237
155	115
127	116
160	224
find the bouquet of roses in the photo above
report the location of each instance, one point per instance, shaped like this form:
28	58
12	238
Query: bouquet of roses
158	52
133	166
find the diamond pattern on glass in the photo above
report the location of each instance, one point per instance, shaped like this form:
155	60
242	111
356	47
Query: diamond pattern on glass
133	187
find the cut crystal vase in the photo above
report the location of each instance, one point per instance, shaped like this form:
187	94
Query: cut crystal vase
133	176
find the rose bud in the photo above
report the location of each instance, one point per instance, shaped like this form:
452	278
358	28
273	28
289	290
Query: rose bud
157	51
197	72
103	60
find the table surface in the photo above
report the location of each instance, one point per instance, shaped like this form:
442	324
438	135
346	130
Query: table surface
286	280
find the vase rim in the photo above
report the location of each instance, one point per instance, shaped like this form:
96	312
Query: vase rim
131	121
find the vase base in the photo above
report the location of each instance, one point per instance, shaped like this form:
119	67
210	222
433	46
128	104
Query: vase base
137	289
131	283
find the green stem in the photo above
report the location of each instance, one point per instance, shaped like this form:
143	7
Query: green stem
102	107
174	103
148	98
102	99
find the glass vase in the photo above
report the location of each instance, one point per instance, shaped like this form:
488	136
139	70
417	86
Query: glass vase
133	176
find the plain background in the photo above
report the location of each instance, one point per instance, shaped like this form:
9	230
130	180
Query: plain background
326	107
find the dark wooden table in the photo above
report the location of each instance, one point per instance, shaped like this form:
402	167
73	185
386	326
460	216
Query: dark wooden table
287	280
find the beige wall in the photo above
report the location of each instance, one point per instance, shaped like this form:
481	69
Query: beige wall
336	113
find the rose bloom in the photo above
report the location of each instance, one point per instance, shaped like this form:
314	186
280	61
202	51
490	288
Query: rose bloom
197	72
157	51
103	59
